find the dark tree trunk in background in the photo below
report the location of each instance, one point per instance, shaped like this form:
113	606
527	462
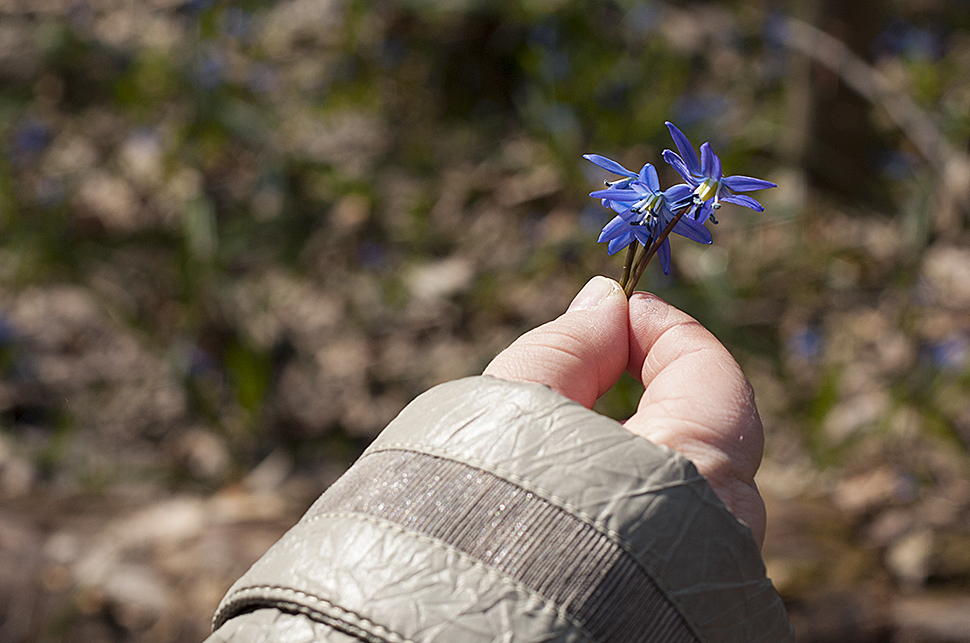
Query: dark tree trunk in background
838	145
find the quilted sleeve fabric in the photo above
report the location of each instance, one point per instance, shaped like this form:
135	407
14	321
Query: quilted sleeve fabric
497	511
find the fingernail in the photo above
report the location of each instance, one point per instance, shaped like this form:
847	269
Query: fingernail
595	291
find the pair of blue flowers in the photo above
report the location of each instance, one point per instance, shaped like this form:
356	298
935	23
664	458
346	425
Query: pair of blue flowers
647	215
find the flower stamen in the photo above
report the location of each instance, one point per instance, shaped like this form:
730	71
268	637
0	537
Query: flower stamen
706	190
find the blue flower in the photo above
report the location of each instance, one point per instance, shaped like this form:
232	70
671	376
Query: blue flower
644	210
705	176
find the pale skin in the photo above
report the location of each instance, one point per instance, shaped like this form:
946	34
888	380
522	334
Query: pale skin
696	400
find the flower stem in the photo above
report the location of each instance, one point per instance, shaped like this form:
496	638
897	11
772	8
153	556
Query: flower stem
641	265
628	264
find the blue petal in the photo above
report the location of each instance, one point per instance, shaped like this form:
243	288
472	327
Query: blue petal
685	148
642	234
693	231
666	215
707	163
617	227
677	192
608	164
680	167
620	207
619	243
613	229
615	194
746	183
648	176
664	254
746	201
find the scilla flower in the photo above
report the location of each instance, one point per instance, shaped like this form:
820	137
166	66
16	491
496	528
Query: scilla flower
647	215
644	211
705	176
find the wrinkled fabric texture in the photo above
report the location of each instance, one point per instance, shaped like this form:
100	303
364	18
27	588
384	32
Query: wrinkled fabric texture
497	511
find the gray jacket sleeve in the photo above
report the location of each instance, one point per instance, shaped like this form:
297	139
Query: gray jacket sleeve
495	511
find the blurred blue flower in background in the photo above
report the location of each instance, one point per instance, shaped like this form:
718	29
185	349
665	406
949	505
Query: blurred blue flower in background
30	139
210	66
906	40
898	165
951	353
194	7
806	343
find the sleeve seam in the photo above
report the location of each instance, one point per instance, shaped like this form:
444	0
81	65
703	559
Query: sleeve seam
294	600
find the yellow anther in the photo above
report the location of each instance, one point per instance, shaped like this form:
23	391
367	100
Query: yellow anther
706	190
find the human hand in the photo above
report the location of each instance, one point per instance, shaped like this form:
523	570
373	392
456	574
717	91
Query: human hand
696	400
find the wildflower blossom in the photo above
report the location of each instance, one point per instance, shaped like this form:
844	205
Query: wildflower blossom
705	176
646	215
644	210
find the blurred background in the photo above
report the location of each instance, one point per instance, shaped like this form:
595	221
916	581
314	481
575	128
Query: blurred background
236	238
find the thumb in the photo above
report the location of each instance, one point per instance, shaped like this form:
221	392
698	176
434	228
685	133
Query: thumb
581	354
697	401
